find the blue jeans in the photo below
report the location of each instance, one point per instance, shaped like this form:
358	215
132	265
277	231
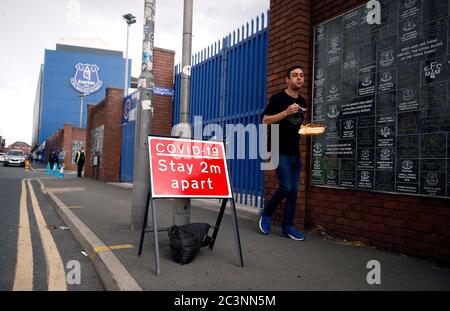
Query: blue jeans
288	174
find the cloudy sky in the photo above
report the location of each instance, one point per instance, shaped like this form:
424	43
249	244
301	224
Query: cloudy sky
28	27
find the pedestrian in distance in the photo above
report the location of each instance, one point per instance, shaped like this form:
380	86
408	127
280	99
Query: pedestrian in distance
79	160
51	159
61	157
56	159
286	109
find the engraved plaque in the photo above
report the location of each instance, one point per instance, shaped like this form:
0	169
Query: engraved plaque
408	146
386	103
365	179
347	178
348	129
383	91
366	158
408	99
331	178
386	80
433	165
408	171
433	146
366	137
386	131
384	181
409	76
432	183
385	158
434	95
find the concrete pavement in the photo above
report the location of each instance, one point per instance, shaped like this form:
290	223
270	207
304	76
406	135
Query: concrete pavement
270	262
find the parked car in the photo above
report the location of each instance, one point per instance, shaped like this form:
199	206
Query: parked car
14	158
2	157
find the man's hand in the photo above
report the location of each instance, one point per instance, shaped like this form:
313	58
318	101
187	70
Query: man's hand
292	109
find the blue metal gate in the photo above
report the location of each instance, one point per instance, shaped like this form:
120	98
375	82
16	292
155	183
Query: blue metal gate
128	130
228	86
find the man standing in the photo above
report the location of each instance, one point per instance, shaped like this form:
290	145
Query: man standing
51	159
61	157
286	109
79	160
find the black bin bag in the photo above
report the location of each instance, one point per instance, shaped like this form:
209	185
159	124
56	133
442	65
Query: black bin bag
186	240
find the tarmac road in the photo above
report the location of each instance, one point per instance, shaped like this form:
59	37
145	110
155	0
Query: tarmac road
36	252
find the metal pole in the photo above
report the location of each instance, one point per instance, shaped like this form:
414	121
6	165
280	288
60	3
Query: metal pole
81	109
125	89
186	61
182	207
141	178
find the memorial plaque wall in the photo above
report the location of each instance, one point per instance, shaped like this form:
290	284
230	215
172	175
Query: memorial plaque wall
383	91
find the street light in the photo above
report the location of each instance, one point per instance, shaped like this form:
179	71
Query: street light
81	96
130	19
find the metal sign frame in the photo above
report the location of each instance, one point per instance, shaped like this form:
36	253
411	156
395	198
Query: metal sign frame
150	205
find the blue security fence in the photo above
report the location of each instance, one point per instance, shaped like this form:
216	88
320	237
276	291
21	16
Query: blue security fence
128	130
228	86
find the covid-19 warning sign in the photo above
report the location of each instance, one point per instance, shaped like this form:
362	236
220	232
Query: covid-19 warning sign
188	168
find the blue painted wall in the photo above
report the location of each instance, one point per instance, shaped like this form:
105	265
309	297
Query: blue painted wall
128	133
60	101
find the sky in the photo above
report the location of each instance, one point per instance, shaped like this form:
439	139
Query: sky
28	27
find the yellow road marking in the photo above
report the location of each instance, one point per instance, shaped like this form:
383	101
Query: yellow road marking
106	248
61	190
74	206
55	268
23	278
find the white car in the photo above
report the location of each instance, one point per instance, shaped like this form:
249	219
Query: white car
14	157
2	157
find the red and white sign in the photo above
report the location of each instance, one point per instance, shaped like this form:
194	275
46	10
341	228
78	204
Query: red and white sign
188	168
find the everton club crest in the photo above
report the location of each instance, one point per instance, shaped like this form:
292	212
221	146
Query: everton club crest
86	78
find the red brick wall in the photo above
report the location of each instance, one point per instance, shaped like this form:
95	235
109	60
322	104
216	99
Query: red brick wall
109	114
25	148
163	73
64	137
408	224
70	134
290	42
53	143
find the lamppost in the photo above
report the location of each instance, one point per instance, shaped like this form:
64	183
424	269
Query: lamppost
82	96
130	19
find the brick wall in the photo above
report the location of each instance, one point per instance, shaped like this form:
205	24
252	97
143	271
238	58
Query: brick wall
64	138
290	42
108	113
163	73
25	148
71	134
53	143
408	224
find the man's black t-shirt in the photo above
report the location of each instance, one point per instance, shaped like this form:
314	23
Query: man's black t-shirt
289	126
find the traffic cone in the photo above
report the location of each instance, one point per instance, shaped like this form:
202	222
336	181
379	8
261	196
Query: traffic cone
49	171
55	169
61	172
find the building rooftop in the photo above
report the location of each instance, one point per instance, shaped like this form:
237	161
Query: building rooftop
19	143
92	45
